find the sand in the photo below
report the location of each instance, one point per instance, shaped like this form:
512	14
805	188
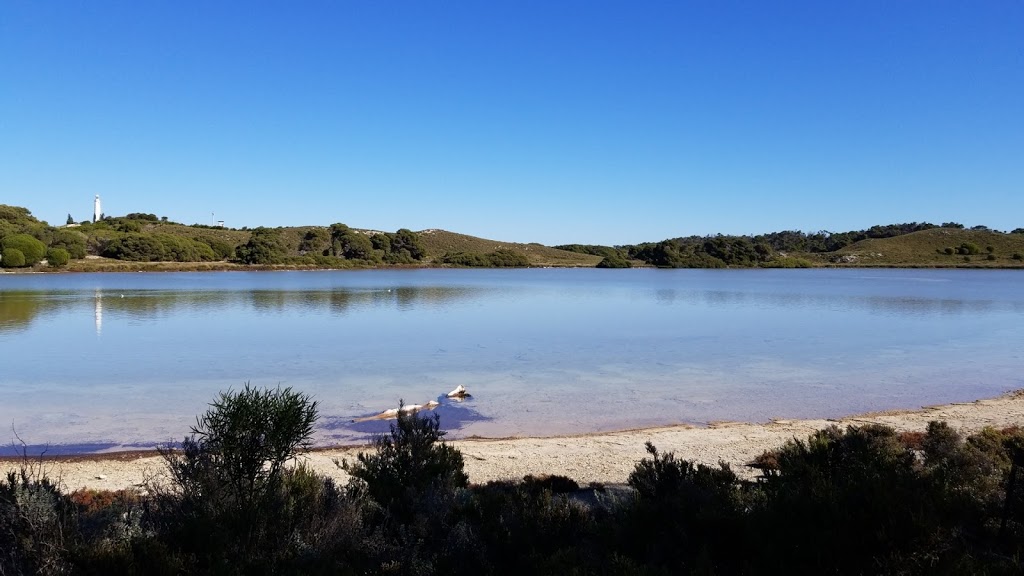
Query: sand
605	457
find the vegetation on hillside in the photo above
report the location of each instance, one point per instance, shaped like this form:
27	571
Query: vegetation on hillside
151	243
860	500
910	244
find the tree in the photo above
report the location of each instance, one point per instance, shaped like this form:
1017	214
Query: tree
136	247
12	258
70	240
222	249
32	249
70	219
57	257
347	243
265	246
314	241
408	241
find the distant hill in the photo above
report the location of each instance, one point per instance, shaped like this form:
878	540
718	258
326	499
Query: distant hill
439	242
141	241
935	247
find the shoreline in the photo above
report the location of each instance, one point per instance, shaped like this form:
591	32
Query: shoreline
603	457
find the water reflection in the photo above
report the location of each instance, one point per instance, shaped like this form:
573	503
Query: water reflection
19	309
902	305
98	314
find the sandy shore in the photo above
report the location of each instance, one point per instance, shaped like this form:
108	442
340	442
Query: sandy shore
605	457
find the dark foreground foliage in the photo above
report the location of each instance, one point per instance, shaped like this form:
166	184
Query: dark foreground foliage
864	500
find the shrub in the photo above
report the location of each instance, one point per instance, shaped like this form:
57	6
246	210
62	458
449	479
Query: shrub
1018	256
407	462
57	257
949	251
136	247
229	477
32	249
37	524
70	240
222	249
990	249
990	257
969	248
614	261
12	258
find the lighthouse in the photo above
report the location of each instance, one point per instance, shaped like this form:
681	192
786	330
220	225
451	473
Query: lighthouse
96	212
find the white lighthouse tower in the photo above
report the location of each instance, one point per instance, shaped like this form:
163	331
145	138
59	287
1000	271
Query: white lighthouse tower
96	212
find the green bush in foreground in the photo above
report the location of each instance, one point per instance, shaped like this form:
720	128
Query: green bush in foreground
229	501
407	462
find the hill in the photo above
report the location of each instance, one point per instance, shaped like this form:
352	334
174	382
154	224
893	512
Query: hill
440	242
938	247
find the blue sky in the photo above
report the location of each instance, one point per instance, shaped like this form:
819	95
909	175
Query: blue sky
535	121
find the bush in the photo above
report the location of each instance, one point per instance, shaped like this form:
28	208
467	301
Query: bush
614	261
136	247
12	258
407	462
1018	256
222	249
949	251
37	524
32	249
969	248
57	257
70	240
990	257
229	478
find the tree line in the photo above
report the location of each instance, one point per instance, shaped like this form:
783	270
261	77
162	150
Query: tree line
744	251
26	241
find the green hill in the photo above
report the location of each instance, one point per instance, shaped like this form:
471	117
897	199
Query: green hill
935	247
439	242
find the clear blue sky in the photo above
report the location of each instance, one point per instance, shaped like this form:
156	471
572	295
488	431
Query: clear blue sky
548	121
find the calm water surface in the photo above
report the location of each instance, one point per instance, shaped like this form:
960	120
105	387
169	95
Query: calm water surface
103	361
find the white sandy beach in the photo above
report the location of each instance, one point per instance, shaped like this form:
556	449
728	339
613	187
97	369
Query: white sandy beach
604	457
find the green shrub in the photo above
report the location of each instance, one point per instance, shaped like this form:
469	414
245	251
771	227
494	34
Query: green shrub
229	478
787	262
136	247
614	261
501	258
222	249
265	246
57	257
990	257
32	249
969	248
990	249
407	462
12	258
949	251
1018	256
70	240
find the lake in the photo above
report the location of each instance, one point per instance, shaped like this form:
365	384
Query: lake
95	362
